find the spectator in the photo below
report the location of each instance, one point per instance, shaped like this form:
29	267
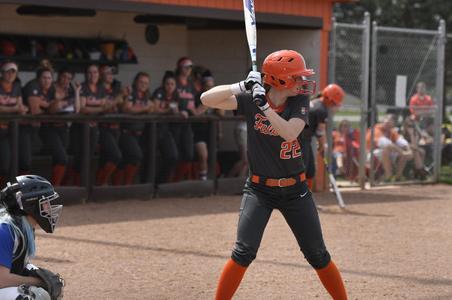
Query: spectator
10	103
92	102
138	102
421	104
201	130
166	102
183	133
413	136
345	145
110	154
185	87
55	135
39	94
390	146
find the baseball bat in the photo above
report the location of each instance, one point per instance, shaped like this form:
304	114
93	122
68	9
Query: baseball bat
336	190
250	27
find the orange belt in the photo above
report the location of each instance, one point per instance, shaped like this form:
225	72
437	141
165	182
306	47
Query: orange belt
278	182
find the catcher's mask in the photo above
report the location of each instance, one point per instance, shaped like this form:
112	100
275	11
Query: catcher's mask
33	195
284	69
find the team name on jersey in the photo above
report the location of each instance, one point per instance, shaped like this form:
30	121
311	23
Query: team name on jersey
184	94
7	100
93	101
260	125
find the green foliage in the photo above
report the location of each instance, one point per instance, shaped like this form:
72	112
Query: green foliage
397	13
419	14
446	175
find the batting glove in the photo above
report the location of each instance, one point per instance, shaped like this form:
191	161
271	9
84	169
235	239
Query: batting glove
246	86
253	78
259	97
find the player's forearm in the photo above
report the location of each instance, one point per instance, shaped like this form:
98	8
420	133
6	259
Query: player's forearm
285	129
91	110
322	142
9	109
12	280
220	97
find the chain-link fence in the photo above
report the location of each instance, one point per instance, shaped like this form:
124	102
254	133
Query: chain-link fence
397	132
446	153
407	83
349	68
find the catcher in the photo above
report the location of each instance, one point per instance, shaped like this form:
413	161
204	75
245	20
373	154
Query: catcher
26	203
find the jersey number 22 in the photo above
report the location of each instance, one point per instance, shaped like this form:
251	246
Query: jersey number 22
290	150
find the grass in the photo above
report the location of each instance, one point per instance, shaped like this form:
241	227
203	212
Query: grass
445	175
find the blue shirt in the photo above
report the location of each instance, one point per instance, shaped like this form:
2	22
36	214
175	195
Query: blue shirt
6	245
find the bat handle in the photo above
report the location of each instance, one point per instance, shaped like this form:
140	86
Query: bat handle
254	65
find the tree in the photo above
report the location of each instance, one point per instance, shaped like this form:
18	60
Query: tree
398	13
420	14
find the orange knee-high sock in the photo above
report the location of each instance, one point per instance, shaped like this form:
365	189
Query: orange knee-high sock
229	280
104	173
310	183
129	174
332	281
58	174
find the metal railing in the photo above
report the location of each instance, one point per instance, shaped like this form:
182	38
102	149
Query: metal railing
87	183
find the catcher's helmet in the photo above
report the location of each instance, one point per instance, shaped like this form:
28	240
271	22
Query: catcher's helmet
32	195
284	68
332	95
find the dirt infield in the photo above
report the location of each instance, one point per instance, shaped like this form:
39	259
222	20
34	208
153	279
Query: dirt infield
390	243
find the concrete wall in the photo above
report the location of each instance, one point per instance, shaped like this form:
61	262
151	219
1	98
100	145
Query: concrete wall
225	52
154	59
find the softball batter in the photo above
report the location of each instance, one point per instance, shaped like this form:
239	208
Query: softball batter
275	115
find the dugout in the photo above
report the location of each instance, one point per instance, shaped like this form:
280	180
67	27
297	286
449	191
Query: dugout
211	32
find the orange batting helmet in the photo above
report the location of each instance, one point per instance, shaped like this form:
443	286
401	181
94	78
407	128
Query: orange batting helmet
285	68
333	95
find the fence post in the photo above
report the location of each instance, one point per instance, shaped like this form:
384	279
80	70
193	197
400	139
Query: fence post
364	101
332	79
373	101
439	99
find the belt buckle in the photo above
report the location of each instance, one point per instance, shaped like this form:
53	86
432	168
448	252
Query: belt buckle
279	182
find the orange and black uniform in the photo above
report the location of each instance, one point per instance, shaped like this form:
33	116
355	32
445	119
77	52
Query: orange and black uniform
166	143
110	154
27	131
130	142
182	132
55	138
277	181
94	99
8	97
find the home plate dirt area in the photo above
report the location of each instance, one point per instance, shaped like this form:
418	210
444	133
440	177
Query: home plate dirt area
389	243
